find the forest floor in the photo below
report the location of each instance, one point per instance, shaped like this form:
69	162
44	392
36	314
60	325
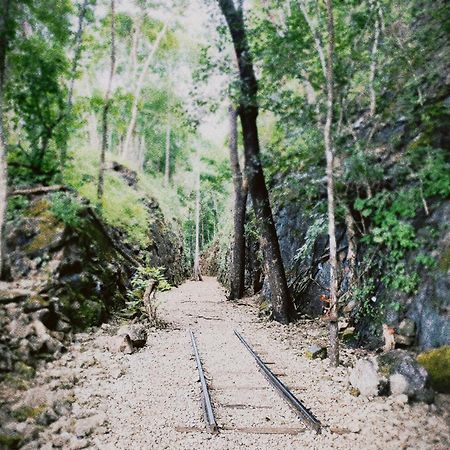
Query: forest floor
151	399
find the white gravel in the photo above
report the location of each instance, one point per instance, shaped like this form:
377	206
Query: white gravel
151	399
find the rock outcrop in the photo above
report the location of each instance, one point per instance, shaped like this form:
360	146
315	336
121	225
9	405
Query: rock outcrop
67	276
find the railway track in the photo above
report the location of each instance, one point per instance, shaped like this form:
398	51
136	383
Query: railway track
302	412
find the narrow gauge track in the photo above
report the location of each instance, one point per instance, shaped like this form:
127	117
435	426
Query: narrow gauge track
304	413
211	423
208	410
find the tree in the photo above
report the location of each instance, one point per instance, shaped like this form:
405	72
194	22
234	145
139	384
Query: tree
283	306
240	204
106	106
333	342
83	9
37	91
4	16
139	86
197	270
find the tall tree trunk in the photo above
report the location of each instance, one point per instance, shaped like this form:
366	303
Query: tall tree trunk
141	153
352	245
333	342
197	270
75	63
167	168
92	130
4	17
137	91
283	306
107	104
240	203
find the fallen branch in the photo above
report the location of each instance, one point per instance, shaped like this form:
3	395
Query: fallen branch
38	190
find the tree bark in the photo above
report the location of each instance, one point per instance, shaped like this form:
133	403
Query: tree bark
197	270
333	343
283	307
138	89
4	16
240	203
39	190
352	245
167	168
107	104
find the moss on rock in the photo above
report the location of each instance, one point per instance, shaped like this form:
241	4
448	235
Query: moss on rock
437	364
11	441
444	260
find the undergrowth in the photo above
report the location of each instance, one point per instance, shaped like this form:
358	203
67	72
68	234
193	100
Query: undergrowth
135	308
122	205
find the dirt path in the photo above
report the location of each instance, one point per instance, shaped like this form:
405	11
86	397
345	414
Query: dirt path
151	399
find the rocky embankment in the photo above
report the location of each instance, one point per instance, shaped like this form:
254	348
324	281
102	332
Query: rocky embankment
66	277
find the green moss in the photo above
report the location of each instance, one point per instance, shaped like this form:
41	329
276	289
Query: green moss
11	441
83	312
38	208
25	370
437	363
15	382
91	312
444	260
37	300
28	412
386	364
49	226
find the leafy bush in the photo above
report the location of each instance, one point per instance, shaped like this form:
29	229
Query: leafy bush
135	306
16	204
66	208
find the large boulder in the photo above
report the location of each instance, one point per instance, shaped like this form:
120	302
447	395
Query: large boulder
395	372
400	362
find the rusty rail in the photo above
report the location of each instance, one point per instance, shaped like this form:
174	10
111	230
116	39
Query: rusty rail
303	412
208	410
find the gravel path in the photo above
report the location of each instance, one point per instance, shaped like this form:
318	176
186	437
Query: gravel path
151	399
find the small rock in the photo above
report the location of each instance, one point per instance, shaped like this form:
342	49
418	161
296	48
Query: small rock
342	323
85	427
364	377
404	341
401	399
350	306
120	344
348	334
407	327
136	332
354	426
46	417
116	373
316	352
398	384
76	444
355	392
60	440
